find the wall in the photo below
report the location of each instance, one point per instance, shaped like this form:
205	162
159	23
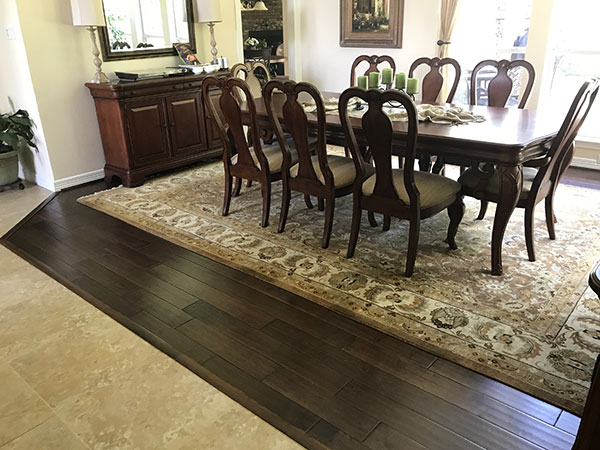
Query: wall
327	65
60	62
16	92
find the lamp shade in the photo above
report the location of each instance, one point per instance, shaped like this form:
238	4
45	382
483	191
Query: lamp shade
207	11
87	13
260	6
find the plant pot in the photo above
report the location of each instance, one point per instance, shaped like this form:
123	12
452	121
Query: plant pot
9	167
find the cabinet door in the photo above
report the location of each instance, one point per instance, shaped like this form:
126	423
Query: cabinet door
147	124
186	124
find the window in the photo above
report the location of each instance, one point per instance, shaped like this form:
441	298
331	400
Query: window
574	57
491	29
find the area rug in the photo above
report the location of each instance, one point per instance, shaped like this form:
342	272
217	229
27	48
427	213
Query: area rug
536	328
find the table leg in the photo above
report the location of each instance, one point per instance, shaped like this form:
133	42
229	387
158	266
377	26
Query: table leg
511	184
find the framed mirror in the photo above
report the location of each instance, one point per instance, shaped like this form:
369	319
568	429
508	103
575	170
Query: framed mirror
145	28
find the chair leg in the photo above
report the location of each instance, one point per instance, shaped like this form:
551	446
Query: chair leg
346	152
386	222
438	166
266	194
413	243
329	208
425	163
529	220
227	199
238	187
356	216
482	209
285	207
550	217
371	216
456	211
321	204
309	204
249	183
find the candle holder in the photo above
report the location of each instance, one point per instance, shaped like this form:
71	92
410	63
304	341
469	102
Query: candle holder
387	86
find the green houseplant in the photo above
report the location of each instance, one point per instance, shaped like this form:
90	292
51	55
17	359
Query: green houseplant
14	128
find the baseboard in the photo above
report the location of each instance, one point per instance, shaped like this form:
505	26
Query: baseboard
586	163
76	180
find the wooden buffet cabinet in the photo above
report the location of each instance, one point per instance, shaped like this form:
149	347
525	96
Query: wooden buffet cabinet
153	125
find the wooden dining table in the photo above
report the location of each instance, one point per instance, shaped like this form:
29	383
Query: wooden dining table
507	138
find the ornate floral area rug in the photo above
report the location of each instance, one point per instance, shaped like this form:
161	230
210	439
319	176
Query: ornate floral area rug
536	328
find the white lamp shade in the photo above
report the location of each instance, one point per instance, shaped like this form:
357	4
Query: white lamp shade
87	13
260	6
207	11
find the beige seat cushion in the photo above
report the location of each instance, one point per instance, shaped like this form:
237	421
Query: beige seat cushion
434	189
342	168
470	179
273	154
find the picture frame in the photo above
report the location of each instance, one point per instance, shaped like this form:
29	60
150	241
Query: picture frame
371	23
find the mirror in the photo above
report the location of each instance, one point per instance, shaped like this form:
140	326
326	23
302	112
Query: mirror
145	28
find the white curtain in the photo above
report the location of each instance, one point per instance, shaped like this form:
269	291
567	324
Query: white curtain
449	14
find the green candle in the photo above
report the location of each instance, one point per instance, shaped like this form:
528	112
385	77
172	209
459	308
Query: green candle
386	76
412	85
362	82
374	80
401	80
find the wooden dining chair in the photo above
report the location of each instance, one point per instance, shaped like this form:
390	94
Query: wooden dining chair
374	62
539	183
433	81
498	91
401	193
249	70
325	176
244	156
588	434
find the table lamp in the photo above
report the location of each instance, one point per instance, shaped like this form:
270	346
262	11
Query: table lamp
89	13
209	12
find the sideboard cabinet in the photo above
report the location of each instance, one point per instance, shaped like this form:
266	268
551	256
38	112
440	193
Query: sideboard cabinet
153	125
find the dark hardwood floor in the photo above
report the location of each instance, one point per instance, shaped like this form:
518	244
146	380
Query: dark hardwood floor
325	380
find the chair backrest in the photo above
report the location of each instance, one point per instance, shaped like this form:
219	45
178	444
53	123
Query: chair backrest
500	86
297	124
249	68
433	81
228	118
374	62
562	143
378	130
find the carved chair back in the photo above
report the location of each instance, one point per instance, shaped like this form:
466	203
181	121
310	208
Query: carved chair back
433	81
378	130
374	62
500	87
296	122
228	118
561	147
249	69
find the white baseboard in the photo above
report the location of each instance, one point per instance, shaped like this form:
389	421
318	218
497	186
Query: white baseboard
76	180
586	163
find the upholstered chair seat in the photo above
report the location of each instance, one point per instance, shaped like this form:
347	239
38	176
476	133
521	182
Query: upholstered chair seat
433	189
470	179
273	154
342	168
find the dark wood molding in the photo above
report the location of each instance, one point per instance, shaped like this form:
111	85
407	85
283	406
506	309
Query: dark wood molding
110	55
390	39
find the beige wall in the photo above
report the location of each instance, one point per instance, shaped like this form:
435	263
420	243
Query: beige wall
327	65
16	92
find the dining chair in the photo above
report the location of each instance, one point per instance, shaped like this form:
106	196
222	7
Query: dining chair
374	62
325	176
433	80
249	69
401	193
244	156
498	90
539	183
589	427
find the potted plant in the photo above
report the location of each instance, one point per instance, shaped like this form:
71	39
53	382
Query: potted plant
14	128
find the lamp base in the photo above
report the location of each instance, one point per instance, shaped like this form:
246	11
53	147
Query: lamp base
213	43
99	77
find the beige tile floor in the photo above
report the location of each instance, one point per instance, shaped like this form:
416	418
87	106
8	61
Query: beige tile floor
73	378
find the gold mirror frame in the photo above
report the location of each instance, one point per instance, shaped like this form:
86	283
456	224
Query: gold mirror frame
108	54
390	39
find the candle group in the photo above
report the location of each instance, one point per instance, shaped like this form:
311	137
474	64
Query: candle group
372	80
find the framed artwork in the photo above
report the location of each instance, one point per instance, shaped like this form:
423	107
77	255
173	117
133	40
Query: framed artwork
371	23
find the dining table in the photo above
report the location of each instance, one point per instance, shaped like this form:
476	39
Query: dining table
506	138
